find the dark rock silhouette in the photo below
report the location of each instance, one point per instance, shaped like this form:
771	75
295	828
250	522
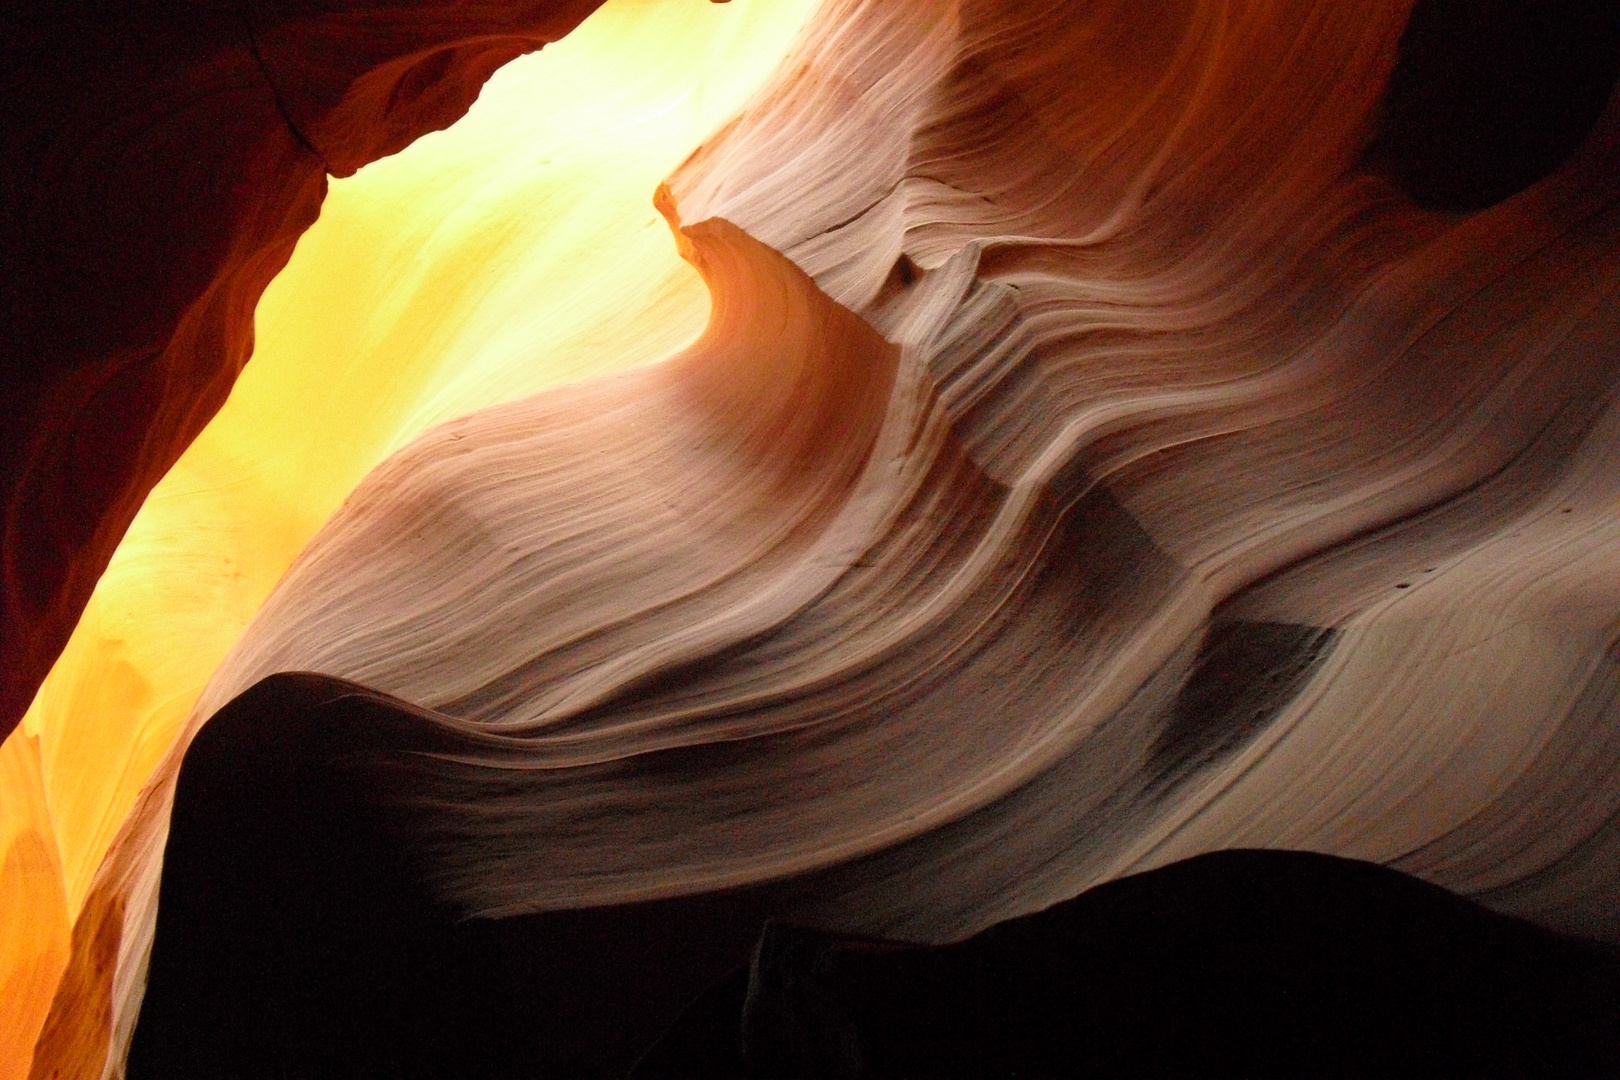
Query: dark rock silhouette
1237	963
296	938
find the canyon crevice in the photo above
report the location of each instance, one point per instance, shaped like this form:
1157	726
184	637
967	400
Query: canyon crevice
1122	433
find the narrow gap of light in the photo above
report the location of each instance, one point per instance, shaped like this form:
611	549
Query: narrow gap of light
517	250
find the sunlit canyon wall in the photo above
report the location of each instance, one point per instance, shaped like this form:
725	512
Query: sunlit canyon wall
1121	432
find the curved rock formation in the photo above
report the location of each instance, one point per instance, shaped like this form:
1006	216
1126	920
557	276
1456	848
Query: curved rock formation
757	546
1327	407
514	251
296	938
1120	434
160	161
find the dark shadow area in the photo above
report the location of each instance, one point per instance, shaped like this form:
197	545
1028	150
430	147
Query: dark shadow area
1240	963
1490	96
296	937
1244	674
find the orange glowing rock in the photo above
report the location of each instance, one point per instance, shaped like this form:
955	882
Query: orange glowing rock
1111	439
34	931
517	250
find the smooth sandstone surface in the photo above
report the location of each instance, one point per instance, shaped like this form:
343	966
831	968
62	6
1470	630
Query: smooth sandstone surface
517	250
1119	434
1219	375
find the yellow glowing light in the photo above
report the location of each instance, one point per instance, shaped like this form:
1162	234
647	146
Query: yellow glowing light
33	913
517	250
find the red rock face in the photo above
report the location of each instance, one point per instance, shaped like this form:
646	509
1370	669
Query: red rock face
1124	431
160	161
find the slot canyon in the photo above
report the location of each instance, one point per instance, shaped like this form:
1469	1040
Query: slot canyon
809	538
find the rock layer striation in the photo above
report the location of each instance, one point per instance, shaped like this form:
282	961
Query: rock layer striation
1113	441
